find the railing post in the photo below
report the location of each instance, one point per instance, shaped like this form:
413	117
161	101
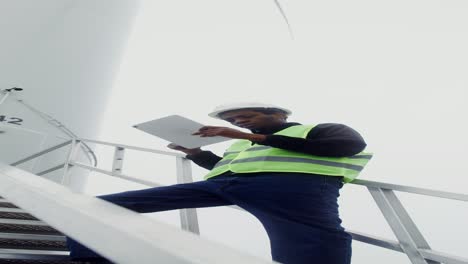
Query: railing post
117	163
406	220
70	157
188	217
4	97
403	227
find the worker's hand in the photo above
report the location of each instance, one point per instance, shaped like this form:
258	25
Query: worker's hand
185	150
213	131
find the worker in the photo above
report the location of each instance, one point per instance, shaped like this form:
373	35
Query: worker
288	175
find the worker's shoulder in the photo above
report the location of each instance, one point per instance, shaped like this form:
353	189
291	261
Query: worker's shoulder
333	129
331	125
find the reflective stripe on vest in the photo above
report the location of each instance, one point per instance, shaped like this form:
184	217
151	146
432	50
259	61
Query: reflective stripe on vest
243	157
298	160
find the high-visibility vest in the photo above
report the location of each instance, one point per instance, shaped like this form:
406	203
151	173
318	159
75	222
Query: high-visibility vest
245	157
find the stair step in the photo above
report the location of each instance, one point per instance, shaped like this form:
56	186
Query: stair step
27	229
33	244
32	237
22	222
6	204
34	256
16	215
26	240
12	210
16	220
24	261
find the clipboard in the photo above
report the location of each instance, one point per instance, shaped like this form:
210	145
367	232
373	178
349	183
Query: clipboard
178	130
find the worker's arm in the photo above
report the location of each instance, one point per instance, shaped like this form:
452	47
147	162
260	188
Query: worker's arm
204	159
330	140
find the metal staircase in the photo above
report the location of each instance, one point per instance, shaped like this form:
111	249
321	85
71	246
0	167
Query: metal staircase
25	239
121	235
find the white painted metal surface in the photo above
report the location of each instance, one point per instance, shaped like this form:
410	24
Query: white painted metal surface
65	54
117	233
188	217
415	190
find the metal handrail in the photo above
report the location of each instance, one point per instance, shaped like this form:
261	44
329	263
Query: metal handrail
410	240
52	121
188	217
86	219
156	151
40	153
367	183
59	125
110	173
414	190
44	152
431	255
52	169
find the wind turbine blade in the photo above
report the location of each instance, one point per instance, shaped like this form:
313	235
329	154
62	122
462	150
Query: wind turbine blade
277	3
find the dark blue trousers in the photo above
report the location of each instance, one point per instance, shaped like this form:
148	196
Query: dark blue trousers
299	212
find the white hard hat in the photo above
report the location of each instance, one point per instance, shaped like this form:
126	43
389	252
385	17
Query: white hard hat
238	106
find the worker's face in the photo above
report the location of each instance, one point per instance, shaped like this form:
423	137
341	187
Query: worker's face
252	119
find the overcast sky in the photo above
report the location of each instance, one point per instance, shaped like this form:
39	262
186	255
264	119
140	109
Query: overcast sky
396	71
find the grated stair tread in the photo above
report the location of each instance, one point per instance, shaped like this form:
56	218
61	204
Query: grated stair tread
32	261
29	229
24	228
7	205
15	249
13	215
33	244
